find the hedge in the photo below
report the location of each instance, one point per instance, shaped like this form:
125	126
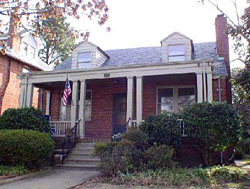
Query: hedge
31	149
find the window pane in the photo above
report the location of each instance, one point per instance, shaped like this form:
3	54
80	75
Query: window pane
174	50
176	58
165	100
84	57
186	97
24	48
32	52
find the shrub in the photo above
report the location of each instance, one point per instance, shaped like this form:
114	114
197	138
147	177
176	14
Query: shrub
162	129
216	126
136	136
182	177
9	171
159	157
31	149
24	118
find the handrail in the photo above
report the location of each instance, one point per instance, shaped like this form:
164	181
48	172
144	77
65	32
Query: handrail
71	139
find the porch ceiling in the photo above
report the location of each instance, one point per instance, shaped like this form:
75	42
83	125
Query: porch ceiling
51	85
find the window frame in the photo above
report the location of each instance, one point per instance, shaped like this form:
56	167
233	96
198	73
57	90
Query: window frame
30	50
91	104
90	60
175	95
179	55
23	50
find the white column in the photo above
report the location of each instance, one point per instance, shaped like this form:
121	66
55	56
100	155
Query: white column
209	87
48	95
74	103
29	95
22	96
82	108
139	99
199	87
205	86
129	99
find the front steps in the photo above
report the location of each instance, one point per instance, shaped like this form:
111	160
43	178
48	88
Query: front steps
81	157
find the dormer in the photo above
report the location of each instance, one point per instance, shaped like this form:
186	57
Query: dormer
176	47
88	55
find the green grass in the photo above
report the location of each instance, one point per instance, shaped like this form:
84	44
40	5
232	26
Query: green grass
197	177
10	171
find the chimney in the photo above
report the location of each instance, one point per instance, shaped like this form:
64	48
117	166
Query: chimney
222	40
14	39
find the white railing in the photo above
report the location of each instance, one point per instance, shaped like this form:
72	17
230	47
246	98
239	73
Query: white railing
60	128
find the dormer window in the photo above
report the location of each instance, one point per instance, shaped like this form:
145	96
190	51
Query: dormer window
176	53
84	60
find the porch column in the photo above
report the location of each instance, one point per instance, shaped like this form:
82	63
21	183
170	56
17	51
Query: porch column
29	96
205	86
129	100
209	87
139	99
22	96
82	108
74	102
199	87
48	95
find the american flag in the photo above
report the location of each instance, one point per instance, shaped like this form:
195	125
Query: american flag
67	92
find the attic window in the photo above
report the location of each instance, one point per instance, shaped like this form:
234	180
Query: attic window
84	60
176	53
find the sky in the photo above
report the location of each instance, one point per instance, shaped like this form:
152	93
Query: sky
138	23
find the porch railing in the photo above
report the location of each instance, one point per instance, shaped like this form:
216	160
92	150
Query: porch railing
60	128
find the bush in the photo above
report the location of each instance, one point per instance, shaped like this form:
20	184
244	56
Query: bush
31	149
136	136
162	129
24	118
216	126
159	157
9	171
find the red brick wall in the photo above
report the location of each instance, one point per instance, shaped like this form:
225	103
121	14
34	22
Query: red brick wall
223	49
223	89
10	88
55	105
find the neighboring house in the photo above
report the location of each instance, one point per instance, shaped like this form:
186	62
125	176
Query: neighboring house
21	57
115	88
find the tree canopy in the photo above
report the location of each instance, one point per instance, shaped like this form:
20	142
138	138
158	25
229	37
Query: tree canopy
57	37
24	13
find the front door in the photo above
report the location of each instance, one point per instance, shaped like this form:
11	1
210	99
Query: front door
120	111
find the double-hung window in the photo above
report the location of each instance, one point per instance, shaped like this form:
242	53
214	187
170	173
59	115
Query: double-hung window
84	60
175	99
176	53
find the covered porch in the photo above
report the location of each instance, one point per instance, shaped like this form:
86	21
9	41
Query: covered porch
108	100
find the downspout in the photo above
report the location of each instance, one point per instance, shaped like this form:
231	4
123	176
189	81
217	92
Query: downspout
219	88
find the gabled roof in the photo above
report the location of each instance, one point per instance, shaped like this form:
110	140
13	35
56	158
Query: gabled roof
176	33
151	55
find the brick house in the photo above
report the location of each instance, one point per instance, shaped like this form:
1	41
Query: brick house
21	57
115	88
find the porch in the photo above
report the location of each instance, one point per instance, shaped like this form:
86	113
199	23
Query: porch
109	100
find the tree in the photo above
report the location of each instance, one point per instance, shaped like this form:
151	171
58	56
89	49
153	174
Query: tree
16	14
57	37
239	30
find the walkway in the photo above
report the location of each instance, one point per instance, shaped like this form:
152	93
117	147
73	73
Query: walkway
55	179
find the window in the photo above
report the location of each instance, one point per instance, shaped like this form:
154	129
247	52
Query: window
165	100
32	52
88	106
24	48
175	99
176	53
186	97
84	60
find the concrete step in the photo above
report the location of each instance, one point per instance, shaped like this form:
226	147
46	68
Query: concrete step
84	145
77	167
89	162
83	150
81	156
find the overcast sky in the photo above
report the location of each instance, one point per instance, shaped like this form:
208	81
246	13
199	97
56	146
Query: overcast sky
137	23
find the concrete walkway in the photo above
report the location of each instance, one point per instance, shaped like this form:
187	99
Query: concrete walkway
56	179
